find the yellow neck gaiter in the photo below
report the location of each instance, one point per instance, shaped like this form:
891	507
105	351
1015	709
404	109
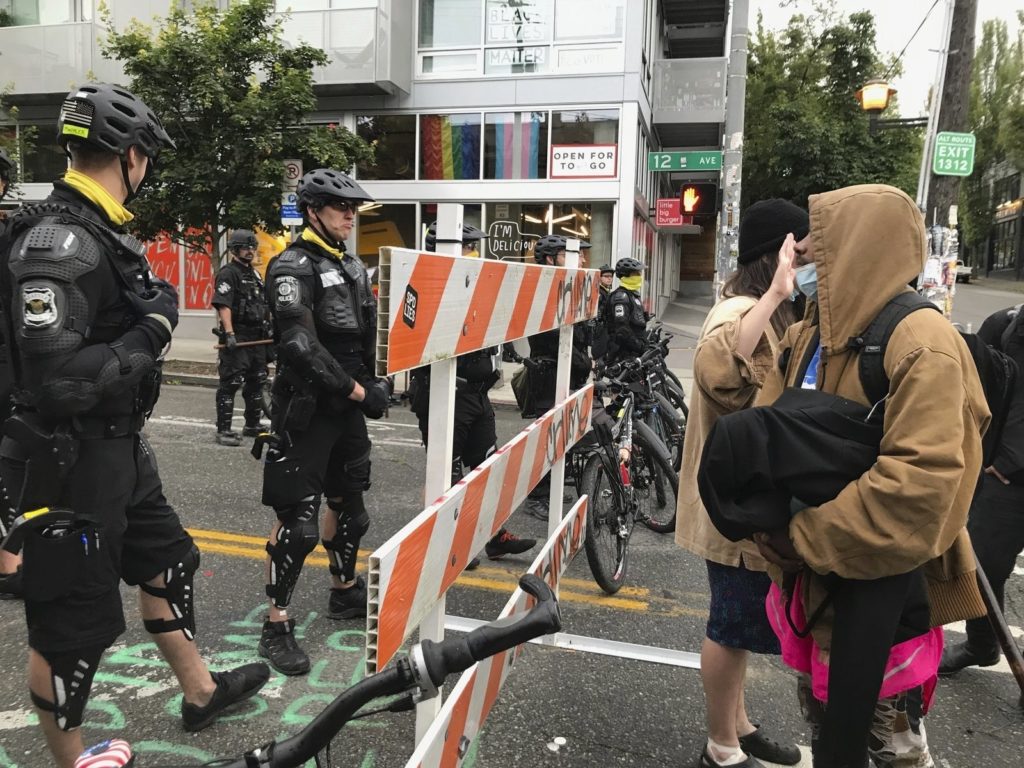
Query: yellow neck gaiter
93	191
313	237
632	282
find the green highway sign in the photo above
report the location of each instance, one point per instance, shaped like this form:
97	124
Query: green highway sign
954	154
710	160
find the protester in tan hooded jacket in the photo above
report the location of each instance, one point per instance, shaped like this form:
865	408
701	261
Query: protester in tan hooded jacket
910	509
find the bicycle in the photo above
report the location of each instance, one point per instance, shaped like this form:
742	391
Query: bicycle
628	477
416	677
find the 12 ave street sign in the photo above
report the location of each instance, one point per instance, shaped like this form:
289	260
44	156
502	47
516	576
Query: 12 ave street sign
710	160
954	154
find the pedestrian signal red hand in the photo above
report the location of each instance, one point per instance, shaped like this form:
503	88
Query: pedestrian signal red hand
690	199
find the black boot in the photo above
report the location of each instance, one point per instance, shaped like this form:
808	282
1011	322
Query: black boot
348	603
963	655
278	646
233	686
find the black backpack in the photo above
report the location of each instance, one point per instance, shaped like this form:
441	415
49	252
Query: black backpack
997	371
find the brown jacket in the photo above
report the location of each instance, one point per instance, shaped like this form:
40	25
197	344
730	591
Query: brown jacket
723	382
909	509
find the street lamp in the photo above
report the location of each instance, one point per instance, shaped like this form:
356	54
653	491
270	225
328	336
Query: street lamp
874	99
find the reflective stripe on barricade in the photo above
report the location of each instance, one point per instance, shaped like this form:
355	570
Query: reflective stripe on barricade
436	306
410	572
463	714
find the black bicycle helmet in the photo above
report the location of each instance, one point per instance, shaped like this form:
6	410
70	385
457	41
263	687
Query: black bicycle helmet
319	187
109	117
628	266
470	234
548	247
6	165
242	238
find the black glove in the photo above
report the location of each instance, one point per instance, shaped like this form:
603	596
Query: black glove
230	342
155	301
377	398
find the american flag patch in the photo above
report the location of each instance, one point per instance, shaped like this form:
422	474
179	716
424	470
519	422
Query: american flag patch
115	753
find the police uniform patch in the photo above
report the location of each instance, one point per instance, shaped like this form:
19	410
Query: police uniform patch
39	306
620	310
286	291
223	288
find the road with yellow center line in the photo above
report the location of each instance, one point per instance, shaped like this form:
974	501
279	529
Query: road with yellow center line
494	579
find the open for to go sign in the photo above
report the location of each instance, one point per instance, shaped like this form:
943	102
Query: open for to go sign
584	161
954	154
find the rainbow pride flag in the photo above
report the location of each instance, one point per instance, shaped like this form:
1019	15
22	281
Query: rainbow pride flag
449	150
506	134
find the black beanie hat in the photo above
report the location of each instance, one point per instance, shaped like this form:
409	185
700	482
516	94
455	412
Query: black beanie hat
764	226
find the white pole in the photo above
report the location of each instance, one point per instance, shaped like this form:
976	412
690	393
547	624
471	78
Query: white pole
441	429
924	178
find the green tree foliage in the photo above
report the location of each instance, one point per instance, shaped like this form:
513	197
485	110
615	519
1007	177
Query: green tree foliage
805	132
234	96
995	89
15	145
1011	122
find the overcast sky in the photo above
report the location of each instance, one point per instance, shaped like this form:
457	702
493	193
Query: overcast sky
896	21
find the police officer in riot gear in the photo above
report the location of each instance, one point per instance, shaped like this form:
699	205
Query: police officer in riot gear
325	314
242	311
599	345
87	322
475	437
625	318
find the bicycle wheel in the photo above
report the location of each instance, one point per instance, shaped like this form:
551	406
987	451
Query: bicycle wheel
605	545
674	392
655	483
667	426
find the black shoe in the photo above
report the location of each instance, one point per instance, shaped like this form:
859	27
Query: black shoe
10	586
506	543
279	647
473	564
348	603
962	655
253	431
760	746
228	438
233	686
537	508
706	761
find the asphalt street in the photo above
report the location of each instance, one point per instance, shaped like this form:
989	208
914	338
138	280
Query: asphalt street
558	708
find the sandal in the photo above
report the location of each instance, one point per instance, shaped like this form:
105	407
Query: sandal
760	746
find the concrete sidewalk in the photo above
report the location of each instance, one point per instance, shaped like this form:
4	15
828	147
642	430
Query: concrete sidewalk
196	357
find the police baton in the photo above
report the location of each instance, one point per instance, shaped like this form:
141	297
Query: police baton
259	343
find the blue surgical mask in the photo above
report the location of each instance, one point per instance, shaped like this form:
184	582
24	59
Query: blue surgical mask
807	281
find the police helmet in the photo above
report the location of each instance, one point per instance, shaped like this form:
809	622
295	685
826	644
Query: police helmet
470	234
628	266
242	238
548	247
6	165
325	185
110	118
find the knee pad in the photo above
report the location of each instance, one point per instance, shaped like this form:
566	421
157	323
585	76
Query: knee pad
71	674
343	549
356	476
178	593
296	538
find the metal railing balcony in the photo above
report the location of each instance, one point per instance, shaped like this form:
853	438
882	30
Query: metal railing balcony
52	58
690	90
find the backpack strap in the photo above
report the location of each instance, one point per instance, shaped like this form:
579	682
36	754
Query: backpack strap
873	342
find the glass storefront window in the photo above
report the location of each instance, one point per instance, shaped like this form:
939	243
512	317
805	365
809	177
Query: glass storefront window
592	126
452	63
385	224
589	19
450	23
45	160
393	138
515	145
587	221
514	228
450	146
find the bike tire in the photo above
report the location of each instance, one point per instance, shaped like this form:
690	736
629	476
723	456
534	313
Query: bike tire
607	551
667	426
676	396
654	481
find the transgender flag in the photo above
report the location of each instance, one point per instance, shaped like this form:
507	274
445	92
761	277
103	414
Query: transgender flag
506	135
450	150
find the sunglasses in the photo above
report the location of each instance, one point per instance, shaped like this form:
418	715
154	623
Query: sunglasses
343	206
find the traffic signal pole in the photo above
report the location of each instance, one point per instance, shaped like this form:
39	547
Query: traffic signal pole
924	177
732	158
